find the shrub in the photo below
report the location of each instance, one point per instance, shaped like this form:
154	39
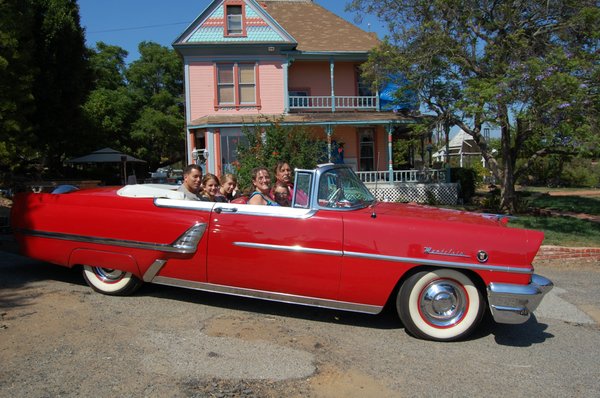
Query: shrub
273	142
466	179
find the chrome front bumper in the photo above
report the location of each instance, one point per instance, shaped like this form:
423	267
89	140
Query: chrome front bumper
511	303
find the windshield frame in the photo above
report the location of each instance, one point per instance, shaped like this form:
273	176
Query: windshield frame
353	194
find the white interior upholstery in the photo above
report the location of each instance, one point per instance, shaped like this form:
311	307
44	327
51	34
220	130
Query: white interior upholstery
151	191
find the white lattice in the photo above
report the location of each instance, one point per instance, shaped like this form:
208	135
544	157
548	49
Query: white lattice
440	193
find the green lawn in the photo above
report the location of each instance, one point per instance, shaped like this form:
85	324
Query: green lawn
577	204
562	231
559	230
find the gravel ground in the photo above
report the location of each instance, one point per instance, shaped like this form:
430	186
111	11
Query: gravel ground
58	338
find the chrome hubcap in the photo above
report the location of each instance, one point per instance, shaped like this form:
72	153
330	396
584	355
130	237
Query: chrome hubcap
108	275
443	303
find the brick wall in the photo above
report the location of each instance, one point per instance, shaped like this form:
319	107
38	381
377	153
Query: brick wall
559	252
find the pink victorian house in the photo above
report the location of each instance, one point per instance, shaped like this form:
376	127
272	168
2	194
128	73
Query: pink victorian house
247	60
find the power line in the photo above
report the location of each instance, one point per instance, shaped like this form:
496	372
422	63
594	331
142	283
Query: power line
138	27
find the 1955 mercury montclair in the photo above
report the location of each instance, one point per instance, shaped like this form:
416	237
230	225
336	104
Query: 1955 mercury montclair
335	247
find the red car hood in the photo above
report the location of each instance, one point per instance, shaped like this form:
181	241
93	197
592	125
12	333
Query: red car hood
439	214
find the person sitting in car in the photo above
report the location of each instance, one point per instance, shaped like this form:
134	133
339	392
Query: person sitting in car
192	180
261	181
229	187
284	174
210	189
281	194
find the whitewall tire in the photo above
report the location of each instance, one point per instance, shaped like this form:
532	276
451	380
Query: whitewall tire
441	305
110	281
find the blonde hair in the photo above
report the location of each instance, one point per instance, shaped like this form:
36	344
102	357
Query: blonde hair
208	176
229	176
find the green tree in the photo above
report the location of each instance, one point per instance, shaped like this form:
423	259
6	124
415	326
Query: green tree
108	66
156	78
111	108
17	73
271	142
62	81
530	67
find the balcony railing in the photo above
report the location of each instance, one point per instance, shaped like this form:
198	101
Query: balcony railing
322	102
414	176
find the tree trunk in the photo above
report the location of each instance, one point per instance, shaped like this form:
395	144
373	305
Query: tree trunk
508	197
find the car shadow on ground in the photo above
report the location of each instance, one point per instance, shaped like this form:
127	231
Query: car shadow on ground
520	335
17	272
385	320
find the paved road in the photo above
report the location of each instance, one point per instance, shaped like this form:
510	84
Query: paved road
58	338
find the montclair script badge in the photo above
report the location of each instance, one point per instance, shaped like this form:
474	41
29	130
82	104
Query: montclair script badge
482	256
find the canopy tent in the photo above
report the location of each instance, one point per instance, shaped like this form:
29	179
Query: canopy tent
107	156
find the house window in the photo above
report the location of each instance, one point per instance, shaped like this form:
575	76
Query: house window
363	87
226	85
296	102
231	139
234	23
247	84
367	149
237	85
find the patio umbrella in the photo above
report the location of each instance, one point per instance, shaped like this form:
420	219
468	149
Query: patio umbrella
109	155
106	155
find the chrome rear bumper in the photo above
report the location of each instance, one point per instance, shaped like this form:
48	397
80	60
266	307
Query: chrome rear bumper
511	303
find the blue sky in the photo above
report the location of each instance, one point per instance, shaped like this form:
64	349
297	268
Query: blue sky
126	23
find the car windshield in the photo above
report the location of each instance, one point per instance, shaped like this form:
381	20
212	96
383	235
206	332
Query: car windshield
340	187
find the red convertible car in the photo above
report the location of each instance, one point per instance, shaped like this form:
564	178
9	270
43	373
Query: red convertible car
335	247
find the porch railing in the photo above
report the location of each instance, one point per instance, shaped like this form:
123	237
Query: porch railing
415	176
338	102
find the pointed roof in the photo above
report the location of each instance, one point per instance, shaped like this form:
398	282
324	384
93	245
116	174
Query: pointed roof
319	30
300	25
208	28
460	139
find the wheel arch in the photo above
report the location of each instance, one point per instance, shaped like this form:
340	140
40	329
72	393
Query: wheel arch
474	276
104	259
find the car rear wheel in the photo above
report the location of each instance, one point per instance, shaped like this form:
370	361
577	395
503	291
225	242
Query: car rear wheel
441	305
110	281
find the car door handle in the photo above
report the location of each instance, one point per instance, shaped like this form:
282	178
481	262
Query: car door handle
219	210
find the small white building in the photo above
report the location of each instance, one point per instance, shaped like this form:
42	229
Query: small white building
463	146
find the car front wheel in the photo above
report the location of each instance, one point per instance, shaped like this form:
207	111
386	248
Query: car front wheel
110	281
441	305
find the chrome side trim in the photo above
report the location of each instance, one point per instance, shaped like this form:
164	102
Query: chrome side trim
441	263
187	243
510	303
237	208
379	257
154	269
297	249
270	296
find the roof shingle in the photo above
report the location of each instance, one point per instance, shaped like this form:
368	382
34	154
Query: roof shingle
319	30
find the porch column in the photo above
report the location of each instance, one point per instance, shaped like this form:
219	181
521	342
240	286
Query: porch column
447	133
390	159
211	164
286	89
331	78
329	131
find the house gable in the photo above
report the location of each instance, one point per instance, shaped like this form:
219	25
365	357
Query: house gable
211	27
